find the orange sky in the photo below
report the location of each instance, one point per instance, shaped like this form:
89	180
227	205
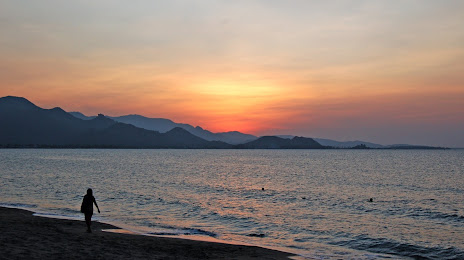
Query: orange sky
371	70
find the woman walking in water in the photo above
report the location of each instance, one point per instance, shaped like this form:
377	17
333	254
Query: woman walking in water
87	208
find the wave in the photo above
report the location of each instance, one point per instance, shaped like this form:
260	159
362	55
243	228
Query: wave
417	213
18	205
58	216
173	231
437	215
387	246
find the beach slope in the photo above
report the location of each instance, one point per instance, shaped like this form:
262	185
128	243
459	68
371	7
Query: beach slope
24	236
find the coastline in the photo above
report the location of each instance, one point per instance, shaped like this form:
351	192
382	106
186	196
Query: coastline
24	236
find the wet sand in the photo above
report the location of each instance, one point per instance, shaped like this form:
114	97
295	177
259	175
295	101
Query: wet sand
24	236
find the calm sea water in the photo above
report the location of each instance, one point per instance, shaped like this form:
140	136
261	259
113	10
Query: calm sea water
314	202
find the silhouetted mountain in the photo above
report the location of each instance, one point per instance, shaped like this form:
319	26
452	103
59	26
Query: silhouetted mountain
164	125
346	144
338	144
18	103
412	147
129	136
232	137
156	124
24	124
286	136
81	116
274	142
360	147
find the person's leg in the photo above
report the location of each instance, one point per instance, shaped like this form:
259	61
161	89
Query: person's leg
88	221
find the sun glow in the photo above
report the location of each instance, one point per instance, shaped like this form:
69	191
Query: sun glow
236	88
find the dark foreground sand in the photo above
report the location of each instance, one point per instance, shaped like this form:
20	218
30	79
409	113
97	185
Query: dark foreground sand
23	236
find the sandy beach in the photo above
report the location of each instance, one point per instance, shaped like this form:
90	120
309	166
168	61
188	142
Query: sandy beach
24	236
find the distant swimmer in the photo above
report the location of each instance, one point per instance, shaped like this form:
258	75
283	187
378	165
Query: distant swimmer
262	188
371	200
87	208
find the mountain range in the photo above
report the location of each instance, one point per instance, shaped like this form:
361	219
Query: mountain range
24	124
236	138
163	125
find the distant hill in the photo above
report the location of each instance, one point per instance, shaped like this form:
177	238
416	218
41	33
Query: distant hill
339	144
347	144
81	116
27	125
164	125
274	142
412	147
129	136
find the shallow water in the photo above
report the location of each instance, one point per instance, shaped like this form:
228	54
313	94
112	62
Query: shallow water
314	202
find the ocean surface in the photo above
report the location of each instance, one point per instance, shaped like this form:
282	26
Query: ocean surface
311	202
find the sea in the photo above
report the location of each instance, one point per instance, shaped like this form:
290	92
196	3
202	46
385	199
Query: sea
314	203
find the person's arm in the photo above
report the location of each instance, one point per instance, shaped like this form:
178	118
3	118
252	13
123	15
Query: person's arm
95	201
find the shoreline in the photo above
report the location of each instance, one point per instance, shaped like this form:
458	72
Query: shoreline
25	236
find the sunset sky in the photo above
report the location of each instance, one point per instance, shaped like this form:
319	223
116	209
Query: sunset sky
380	71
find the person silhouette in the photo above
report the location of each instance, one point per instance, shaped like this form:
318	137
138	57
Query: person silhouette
87	208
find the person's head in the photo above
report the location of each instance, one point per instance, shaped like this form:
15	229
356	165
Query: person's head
89	192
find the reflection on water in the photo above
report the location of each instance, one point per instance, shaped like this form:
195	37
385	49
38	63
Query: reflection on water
316	202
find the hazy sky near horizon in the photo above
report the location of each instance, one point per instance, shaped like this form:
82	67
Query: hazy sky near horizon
380	71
